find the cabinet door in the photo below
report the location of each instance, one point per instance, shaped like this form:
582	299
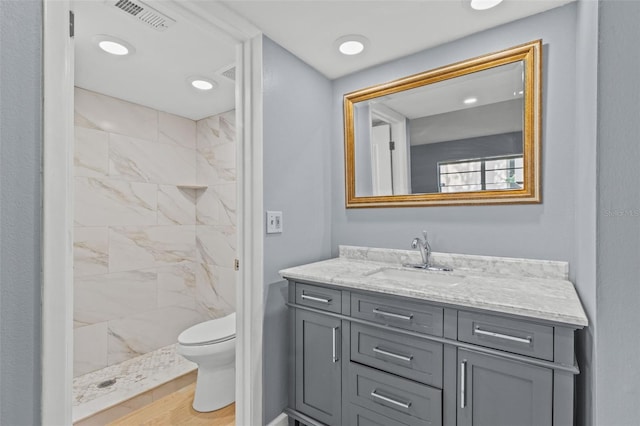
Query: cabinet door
318	367
493	391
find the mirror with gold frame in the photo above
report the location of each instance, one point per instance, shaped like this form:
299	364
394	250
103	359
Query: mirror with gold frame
466	133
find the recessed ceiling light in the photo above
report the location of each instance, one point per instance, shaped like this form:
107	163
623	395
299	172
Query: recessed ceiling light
202	83
484	4
351	47
113	46
470	101
351	44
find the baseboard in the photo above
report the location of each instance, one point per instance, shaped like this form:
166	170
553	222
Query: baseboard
281	420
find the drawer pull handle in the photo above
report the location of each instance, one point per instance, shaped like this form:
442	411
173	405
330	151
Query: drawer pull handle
392	315
315	299
402	404
463	383
478	330
334	351
393	355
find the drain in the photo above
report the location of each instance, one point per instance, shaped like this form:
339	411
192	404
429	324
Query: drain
106	383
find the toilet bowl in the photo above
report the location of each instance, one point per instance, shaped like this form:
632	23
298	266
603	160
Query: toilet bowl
211	345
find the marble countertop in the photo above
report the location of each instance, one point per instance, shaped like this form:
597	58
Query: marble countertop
536	289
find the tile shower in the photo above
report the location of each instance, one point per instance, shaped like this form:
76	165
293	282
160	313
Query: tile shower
151	258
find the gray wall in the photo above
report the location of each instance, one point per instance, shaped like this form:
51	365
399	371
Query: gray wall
491	230
584	272
618	216
425	157
20	210
297	181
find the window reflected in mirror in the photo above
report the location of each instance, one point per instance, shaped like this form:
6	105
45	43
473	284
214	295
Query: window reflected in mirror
481	174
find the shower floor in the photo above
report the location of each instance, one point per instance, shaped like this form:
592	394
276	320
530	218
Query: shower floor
132	377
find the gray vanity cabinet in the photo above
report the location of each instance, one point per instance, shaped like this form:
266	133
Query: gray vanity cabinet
318	370
364	359
498	392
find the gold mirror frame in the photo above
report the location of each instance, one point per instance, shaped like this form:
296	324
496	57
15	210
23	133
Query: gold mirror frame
531	54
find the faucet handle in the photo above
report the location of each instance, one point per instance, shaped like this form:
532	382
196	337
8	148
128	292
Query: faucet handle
415	243
424	233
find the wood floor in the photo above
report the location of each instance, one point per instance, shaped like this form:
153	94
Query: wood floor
175	409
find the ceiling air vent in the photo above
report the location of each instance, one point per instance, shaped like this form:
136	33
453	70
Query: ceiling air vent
229	72
145	13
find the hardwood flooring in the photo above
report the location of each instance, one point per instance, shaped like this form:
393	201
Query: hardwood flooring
175	410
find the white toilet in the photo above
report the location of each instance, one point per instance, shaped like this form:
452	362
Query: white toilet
212	345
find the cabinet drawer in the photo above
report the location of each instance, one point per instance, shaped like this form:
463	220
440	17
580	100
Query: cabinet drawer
400	313
404	400
327	299
406	356
359	416
520	337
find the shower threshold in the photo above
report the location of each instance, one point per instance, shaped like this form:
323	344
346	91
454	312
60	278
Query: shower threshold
109	387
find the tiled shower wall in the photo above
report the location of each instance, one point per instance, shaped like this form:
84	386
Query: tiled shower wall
151	258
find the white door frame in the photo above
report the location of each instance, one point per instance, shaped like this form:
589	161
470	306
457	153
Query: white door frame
381	160
401	167
57	239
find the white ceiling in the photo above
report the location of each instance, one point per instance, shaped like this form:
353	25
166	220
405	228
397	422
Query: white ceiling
156	74
437	111
490	86
394	28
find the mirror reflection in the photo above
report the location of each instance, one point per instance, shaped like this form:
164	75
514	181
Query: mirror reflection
462	134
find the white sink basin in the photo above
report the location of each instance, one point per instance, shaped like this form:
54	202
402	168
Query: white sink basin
416	275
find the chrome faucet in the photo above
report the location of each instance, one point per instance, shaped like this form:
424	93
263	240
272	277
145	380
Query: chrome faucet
425	253
424	247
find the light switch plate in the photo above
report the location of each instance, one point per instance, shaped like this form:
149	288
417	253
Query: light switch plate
274	222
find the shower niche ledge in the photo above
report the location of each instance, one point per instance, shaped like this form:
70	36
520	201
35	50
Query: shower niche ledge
193	186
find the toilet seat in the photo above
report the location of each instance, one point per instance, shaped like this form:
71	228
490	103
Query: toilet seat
209	332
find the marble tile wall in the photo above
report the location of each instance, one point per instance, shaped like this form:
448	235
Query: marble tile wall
216	215
151	259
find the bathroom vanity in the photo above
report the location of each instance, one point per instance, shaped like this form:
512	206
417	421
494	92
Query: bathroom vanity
373	343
